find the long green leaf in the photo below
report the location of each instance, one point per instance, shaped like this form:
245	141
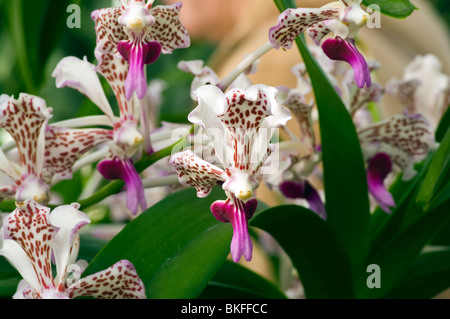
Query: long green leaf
438	168
395	8
428	276
397	255
176	246
9	279
346	194
314	249
234	281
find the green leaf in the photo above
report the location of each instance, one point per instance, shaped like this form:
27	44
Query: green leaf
402	249
234	281
428	276
443	126
406	211
9	279
176	246
346	193
438	168
345	184
395	8
315	251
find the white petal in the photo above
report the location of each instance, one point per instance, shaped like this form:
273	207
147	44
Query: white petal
19	260
80	75
210	105
68	219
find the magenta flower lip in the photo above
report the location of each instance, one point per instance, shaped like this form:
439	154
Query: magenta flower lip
138	55
380	166
238	214
304	190
345	50
123	169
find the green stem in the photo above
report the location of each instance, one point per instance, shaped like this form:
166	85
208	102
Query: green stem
146	161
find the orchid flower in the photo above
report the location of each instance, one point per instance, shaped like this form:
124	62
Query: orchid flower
138	33
403	139
343	18
204	75
47	152
127	139
357	99
240	124
292	178
424	88
32	236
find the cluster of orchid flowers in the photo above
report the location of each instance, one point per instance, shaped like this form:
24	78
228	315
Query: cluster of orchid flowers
235	119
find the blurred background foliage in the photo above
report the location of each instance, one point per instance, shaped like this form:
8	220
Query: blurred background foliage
34	37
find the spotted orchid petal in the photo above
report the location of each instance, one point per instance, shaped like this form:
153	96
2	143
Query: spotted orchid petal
242	123
119	281
64	146
302	112
28	239
81	75
237	213
303	189
239	115
195	172
136	33
123	169
293	22
111	65
424	88
32	235
319	30
8	191
168	30
345	50
24	119
379	167
405	138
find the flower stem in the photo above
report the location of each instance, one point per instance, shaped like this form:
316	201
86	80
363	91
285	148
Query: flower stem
116	186
245	64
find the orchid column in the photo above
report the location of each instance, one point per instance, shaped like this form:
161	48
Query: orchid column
240	124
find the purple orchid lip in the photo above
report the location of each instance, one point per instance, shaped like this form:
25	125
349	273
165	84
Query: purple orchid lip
238	215
304	190
380	166
137	56
345	50
124	169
